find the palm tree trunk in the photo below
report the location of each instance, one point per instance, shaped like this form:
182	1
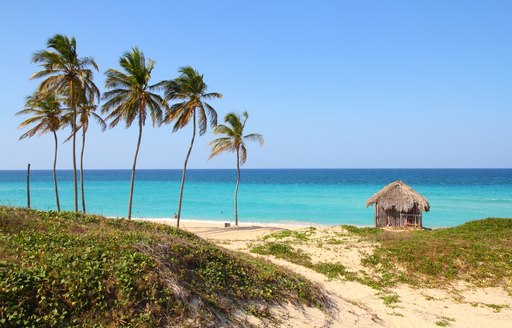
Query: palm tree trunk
185	172
82	169
73	127
55	172
237	184
133	169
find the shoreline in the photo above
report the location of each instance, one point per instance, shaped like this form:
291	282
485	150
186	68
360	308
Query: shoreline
220	223
291	224
288	224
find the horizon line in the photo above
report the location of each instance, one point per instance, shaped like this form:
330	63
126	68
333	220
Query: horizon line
279	168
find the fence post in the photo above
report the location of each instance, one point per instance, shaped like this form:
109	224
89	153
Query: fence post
28	186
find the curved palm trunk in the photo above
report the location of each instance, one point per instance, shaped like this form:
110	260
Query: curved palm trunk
185	172
82	170
133	170
73	127
237	184
55	172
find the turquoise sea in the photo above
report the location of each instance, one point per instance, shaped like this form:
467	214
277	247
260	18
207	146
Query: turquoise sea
325	196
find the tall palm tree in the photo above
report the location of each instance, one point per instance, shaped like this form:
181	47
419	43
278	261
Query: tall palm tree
234	141
68	75
46	115
86	110
130	97
190	90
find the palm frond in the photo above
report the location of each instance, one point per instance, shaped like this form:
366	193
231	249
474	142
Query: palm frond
46	114
129	95
234	139
221	145
243	154
212	95
255	137
223	129
203	121
189	87
212	114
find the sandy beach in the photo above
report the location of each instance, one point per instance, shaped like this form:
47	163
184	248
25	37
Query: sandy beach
356	304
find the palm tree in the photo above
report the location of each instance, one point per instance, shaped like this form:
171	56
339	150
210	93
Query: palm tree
189	88
46	115
130	97
68	75
234	141
86	110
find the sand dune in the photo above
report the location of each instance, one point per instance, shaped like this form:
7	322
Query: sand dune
356	304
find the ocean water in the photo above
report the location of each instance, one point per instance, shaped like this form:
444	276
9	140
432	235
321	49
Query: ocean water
325	196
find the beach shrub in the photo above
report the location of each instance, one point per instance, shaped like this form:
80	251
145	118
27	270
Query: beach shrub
366	231
283	251
67	269
302	235
333	270
288	253
479	252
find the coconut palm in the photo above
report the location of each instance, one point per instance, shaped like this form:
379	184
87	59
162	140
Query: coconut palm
130	97
67	75
86	110
190	90
234	141
46	115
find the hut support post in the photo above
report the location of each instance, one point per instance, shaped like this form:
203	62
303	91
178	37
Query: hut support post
375	215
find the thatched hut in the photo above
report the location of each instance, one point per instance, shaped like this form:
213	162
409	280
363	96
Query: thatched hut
398	205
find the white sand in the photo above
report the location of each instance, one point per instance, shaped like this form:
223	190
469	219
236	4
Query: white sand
358	305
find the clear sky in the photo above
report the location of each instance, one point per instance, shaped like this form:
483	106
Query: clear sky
330	84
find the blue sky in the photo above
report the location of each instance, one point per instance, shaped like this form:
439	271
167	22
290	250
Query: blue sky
330	84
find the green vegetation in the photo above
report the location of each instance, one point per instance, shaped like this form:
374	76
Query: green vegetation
496	307
390	299
333	270
334	241
302	235
288	253
68	269
234	141
479	252
283	251
366	231
444	322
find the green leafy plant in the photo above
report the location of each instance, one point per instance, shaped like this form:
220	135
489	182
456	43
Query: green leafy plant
69	269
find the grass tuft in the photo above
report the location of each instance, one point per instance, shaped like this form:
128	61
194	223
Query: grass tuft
302	235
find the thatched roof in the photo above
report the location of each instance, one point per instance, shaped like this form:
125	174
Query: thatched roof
400	196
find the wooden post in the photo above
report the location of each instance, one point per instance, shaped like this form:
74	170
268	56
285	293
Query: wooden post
375	215
28	186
